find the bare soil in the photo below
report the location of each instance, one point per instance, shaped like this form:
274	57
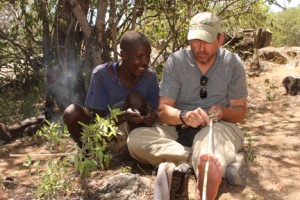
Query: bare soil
272	149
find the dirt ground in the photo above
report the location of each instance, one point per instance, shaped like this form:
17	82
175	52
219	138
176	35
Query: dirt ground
272	148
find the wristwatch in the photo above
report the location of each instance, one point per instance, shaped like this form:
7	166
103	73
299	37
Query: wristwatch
181	114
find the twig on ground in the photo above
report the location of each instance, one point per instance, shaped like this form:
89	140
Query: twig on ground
42	154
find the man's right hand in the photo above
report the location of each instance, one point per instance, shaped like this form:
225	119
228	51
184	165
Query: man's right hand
133	116
196	118
150	118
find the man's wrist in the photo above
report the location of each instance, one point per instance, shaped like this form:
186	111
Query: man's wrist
181	116
123	117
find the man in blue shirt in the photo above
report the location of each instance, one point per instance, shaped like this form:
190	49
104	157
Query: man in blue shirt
130	85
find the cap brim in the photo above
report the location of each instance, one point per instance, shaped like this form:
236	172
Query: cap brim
201	35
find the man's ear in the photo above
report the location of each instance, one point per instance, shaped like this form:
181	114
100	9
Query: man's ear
221	39
123	55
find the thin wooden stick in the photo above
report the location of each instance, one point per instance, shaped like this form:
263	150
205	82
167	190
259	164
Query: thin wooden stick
205	179
209	150
43	154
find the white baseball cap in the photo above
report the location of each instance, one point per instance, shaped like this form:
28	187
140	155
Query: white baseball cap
204	26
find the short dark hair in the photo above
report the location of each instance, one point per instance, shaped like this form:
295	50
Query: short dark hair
130	39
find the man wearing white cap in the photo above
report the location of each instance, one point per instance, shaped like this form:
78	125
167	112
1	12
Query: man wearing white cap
199	84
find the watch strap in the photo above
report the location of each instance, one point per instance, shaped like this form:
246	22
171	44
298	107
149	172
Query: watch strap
181	114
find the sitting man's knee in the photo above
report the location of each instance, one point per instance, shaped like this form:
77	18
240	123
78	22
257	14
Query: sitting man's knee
68	112
73	113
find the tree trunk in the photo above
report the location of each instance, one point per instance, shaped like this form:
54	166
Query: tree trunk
27	127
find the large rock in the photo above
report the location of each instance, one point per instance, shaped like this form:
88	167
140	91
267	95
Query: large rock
123	186
244	42
282	55
263	38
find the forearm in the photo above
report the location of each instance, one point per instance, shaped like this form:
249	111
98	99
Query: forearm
234	114
169	115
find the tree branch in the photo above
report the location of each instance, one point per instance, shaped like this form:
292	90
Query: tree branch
82	19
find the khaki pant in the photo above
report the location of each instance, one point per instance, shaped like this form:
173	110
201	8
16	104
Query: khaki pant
153	145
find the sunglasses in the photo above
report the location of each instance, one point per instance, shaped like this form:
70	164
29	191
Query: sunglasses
203	82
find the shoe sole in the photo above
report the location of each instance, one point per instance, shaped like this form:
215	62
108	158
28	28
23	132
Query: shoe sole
180	182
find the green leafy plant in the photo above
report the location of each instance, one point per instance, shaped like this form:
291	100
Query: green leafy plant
30	163
250	152
271	96
272	92
56	134
273	86
126	169
250	155
255	197
96	138
57	178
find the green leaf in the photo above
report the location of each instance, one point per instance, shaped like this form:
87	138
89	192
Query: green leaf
28	161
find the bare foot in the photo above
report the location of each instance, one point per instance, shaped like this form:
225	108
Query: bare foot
214	177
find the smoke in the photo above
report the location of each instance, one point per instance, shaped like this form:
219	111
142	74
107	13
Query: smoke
64	86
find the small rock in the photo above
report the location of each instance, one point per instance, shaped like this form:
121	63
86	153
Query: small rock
9	183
